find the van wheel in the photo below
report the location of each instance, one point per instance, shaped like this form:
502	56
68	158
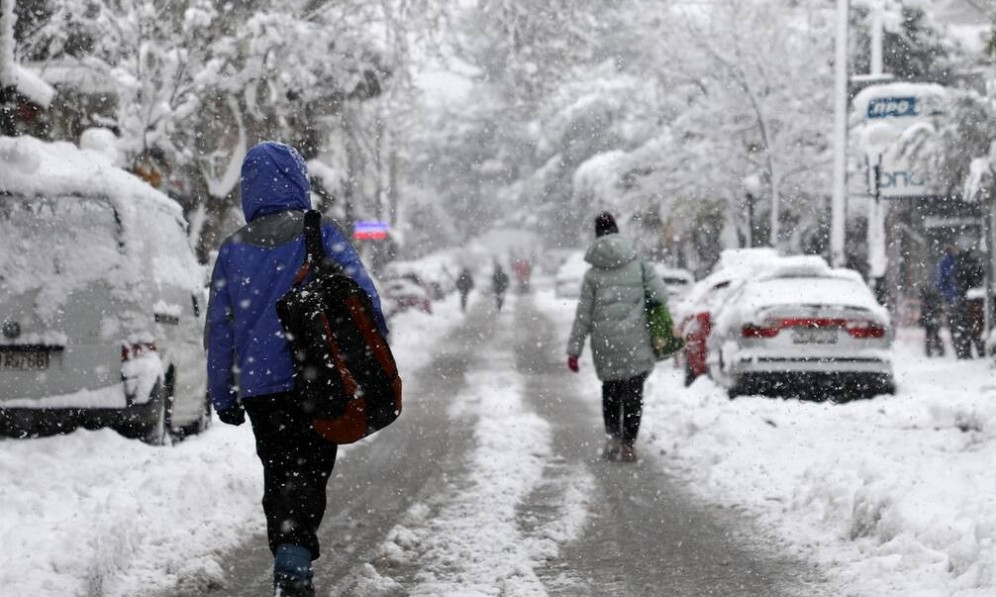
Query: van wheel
159	430
204	423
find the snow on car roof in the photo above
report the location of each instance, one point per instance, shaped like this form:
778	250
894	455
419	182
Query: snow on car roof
29	166
796	266
34	170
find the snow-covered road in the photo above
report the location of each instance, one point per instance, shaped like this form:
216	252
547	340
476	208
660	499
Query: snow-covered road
494	487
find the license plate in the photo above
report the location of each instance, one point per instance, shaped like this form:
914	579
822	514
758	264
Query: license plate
814	336
24	360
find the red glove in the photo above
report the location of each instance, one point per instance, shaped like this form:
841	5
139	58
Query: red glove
572	363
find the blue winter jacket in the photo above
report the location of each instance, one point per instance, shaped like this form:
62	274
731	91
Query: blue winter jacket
255	267
947	282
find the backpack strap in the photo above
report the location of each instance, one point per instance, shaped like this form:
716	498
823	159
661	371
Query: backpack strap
313	238
314	257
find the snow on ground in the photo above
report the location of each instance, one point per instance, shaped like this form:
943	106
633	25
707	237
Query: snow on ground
894	496
91	513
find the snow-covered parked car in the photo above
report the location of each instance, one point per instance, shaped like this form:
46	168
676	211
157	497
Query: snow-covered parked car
100	299
693	314
436	272
803	329
398	295
570	275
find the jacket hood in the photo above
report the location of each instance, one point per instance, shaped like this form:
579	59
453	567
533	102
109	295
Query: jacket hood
274	179
610	251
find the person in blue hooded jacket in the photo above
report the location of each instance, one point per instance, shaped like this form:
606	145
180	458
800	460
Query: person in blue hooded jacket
249	363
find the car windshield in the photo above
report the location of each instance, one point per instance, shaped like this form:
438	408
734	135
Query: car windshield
64	242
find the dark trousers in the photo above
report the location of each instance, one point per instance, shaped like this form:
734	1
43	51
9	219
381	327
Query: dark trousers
960	319
499	299
296	468
463	301
932	342
622	407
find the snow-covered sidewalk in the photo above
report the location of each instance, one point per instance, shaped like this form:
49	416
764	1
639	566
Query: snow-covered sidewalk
91	513
894	496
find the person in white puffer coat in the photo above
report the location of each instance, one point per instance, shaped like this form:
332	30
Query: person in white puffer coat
611	309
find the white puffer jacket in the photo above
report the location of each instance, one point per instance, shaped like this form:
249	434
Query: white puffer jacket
612	311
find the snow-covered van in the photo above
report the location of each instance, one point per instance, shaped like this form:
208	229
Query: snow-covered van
100	299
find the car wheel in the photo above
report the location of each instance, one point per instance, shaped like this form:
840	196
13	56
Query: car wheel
689	374
159	430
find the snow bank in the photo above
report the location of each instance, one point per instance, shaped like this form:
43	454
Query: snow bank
93	513
893	495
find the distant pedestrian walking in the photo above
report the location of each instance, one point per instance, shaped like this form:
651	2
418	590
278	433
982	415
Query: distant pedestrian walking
464	284
499	283
931	307
612	310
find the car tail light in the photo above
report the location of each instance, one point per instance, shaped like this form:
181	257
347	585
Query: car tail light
137	349
865	329
756	331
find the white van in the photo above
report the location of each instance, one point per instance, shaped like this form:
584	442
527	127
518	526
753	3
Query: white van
100	299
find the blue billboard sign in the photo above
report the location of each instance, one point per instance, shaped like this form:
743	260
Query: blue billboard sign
893	107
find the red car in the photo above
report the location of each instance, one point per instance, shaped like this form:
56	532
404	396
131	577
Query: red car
696	325
694	313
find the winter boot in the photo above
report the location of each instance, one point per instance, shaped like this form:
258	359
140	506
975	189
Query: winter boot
288	586
292	572
628	454
611	450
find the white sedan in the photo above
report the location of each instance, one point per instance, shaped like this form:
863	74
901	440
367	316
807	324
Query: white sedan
803	333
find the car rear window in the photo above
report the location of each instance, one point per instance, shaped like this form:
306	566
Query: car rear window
60	243
809	291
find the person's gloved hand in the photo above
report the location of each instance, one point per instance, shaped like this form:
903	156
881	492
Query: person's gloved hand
233	415
572	363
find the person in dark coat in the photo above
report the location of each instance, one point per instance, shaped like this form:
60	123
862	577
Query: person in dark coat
464	284
256	266
931	308
958	272
969	274
499	283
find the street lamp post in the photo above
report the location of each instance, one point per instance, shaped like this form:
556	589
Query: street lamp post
838	205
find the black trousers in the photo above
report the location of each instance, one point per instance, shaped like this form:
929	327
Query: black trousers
622	407
960	319
297	464
932	342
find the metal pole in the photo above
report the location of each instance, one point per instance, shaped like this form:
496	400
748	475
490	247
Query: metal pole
988	305
876	40
840	139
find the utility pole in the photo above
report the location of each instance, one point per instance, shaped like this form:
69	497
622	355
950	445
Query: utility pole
8	76
837	221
